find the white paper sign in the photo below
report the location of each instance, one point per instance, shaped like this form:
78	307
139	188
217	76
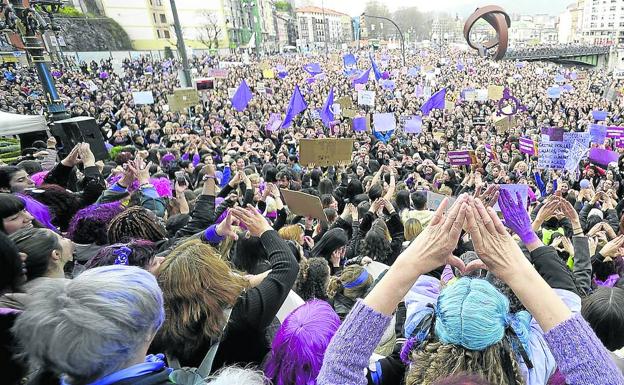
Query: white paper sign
366	98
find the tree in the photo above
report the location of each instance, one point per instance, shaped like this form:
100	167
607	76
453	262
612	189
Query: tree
209	32
414	22
376	8
283	6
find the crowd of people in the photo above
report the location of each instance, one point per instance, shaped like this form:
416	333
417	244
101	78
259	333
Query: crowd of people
173	260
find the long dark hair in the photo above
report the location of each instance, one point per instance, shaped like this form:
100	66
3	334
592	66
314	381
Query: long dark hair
9	205
6	173
11	276
38	245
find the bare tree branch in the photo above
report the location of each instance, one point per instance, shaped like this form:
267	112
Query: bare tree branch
210	31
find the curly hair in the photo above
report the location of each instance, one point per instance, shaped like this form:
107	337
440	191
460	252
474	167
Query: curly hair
63	205
376	242
349	275
496	364
141	255
136	223
89	225
313	279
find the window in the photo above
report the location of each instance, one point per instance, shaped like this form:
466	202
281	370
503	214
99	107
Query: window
163	18
167	34
158	33
155	19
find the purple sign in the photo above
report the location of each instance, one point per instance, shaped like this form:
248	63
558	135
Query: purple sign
602	156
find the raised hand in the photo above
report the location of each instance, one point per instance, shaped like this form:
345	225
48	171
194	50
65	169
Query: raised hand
225	228
516	216
73	158
434	246
254	221
495	247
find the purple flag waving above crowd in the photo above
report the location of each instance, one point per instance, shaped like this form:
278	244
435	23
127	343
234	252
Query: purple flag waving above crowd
376	70
313	68
295	107
363	78
242	97
436	101
327	116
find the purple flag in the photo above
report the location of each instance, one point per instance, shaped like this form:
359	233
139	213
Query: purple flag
295	107
602	156
313	68
274	123
327	116
435	102
460	66
242	97
359	124
419	91
599	115
363	78
459	158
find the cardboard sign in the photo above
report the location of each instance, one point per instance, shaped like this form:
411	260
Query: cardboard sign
366	98
303	204
142	97
325	152
345	102
552	155
218	73
268	74
434	200
603	157
495	92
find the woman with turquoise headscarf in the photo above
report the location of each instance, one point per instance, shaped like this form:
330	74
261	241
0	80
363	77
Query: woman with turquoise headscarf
470	326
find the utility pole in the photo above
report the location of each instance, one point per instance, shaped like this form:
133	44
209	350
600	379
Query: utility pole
398	29
186	71
325	28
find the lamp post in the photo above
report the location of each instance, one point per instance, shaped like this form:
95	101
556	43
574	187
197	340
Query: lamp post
29	34
186	70
398	29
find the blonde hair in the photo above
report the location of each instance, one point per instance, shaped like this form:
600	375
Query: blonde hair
291	233
197	286
436	360
413	228
349	274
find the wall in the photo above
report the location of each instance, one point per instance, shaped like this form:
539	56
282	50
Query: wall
93	34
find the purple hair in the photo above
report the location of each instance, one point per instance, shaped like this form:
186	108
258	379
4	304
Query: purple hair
162	185
39	177
39	211
89	225
300	343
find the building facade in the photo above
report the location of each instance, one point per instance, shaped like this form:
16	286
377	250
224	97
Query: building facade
603	22
533	30
570	27
317	26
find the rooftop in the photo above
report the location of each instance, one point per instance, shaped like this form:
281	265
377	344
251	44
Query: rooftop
319	10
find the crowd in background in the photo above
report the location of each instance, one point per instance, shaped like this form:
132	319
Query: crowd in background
180	251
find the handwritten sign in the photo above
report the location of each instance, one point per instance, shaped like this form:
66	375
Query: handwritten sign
218	73
552	155
366	98
325	152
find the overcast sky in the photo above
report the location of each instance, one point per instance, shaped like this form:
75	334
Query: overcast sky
463	7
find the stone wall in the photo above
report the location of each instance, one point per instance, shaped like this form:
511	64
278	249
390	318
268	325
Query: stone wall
93	34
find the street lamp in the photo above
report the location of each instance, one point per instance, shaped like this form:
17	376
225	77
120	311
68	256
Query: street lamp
398	29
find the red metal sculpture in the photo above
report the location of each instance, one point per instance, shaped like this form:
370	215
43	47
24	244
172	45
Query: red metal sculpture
500	21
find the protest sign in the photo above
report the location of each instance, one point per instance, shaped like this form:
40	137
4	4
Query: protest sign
303	204
182	99
551	155
481	94
359	124
345	102
349	113
495	92
434	200
599	115
615	132
268	73
553	92
554	134
292	302
231	92
143	97
460	158
412	124
581	137
366	98
470	96
603	157
261	87
325	152
598	133
523	189
218	73
384	122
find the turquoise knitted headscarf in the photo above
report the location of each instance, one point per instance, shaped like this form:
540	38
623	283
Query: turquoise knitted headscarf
474	314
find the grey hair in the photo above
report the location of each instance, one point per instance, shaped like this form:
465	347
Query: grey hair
91	326
235	376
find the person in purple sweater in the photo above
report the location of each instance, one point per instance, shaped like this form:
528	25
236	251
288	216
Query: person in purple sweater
579	354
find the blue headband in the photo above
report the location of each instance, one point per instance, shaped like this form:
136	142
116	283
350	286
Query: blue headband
358	281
